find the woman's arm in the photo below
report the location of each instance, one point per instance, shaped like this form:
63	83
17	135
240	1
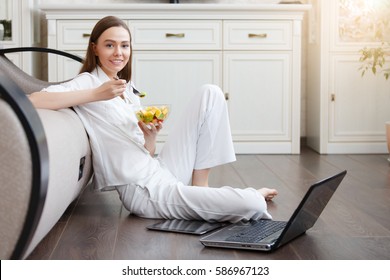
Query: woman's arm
150	135
60	100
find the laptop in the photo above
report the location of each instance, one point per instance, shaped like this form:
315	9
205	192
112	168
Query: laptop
268	235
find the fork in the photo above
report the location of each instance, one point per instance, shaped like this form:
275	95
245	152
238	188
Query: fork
135	91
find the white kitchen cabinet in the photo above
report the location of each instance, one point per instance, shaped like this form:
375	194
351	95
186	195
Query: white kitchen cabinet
172	59
258	60
253	52
20	16
346	112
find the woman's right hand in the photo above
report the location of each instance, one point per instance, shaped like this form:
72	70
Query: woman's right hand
110	89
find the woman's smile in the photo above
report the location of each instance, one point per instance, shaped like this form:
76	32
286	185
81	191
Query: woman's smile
117	61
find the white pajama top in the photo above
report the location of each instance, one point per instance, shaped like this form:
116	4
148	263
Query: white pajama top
119	155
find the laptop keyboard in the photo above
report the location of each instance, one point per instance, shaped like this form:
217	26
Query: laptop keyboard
258	231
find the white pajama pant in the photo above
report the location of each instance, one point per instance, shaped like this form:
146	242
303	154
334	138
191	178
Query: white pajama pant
200	140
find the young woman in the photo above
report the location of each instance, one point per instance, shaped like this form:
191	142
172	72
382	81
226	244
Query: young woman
174	184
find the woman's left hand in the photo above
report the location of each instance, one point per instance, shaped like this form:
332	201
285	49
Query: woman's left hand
150	135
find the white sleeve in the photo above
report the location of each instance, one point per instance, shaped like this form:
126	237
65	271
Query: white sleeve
80	82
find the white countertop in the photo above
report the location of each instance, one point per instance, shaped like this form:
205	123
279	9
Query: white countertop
167	11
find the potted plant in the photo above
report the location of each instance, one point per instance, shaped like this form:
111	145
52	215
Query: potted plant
374	60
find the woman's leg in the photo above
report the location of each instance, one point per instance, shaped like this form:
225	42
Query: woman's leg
200	140
177	201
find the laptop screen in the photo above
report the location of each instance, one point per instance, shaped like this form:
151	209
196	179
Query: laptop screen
310	207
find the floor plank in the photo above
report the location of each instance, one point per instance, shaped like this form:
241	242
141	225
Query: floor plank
91	230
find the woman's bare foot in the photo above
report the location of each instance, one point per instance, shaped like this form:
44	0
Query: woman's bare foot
268	194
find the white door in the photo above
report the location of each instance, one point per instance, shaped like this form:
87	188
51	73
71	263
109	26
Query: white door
259	90
359	106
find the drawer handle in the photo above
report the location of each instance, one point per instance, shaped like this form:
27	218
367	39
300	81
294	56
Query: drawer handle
177	35
261	35
86	35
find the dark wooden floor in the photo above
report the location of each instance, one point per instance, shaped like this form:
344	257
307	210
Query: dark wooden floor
354	225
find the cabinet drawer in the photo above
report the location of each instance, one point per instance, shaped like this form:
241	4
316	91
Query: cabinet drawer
176	35
74	35
257	35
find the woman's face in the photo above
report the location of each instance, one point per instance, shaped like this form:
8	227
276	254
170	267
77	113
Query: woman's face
113	50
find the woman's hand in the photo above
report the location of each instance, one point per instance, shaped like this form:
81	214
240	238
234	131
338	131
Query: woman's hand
110	89
150	135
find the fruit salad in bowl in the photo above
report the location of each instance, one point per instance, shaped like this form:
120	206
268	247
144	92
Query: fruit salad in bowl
153	114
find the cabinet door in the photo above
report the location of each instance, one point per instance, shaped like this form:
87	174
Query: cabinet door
360	105
68	68
172	78
259	89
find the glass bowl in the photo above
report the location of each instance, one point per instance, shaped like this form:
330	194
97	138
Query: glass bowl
153	114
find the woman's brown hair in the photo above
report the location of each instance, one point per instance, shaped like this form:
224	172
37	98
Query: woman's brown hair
92	61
